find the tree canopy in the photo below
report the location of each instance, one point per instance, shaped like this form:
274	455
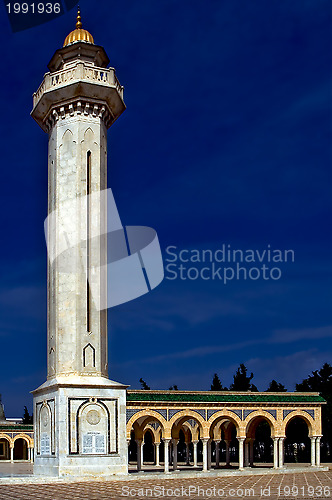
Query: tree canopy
242	381
321	381
27	418
276	387
216	384
144	385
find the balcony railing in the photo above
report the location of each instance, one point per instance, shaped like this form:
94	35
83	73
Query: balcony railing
80	72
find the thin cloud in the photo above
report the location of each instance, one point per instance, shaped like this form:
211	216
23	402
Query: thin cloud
195	352
293	335
288	369
279	337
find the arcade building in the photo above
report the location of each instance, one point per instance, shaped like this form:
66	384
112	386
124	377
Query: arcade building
202	430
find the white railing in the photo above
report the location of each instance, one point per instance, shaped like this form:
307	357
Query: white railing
81	72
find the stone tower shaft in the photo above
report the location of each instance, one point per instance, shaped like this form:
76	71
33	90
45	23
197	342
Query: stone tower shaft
76	103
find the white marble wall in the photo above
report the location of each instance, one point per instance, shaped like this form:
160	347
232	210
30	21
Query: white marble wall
69	340
81	413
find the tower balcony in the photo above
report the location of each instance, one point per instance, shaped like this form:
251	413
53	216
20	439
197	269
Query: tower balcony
78	80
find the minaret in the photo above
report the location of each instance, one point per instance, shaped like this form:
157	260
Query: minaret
79	413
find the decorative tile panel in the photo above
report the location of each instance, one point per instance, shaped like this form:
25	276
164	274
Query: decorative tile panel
130	412
287	412
171	413
246	413
238	413
311	413
211	412
163	413
272	412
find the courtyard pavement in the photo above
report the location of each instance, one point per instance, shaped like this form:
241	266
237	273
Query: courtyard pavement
257	484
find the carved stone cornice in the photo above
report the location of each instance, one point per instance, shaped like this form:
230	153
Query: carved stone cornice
79	107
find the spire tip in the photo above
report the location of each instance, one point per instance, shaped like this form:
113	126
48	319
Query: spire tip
78	20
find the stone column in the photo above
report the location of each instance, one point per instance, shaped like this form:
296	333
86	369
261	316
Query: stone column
166	452
175	453
187	454
251	452
275	452
195	452
313	454
205	454
128	444
281	452
227	442
156	453
241	453
318	451
246	453
12	454
216	442
209	454
139	443
142	453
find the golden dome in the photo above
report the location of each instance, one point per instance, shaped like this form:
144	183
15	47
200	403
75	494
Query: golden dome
78	35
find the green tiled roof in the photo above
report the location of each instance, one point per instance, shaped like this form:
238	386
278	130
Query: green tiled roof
223	397
16	427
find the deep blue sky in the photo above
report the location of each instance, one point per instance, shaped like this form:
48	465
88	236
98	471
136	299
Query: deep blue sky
225	140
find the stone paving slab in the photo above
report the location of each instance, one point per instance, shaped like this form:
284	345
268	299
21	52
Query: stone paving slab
21	475
300	485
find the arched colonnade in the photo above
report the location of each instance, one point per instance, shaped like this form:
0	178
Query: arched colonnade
215	438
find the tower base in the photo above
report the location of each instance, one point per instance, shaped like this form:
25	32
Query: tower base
80	427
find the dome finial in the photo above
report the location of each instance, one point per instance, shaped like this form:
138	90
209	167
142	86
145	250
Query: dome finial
78	20
79	34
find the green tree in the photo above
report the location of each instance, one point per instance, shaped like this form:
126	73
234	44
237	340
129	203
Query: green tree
144	385
2	411
27	418
242	381
321	381
216	384
276	387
